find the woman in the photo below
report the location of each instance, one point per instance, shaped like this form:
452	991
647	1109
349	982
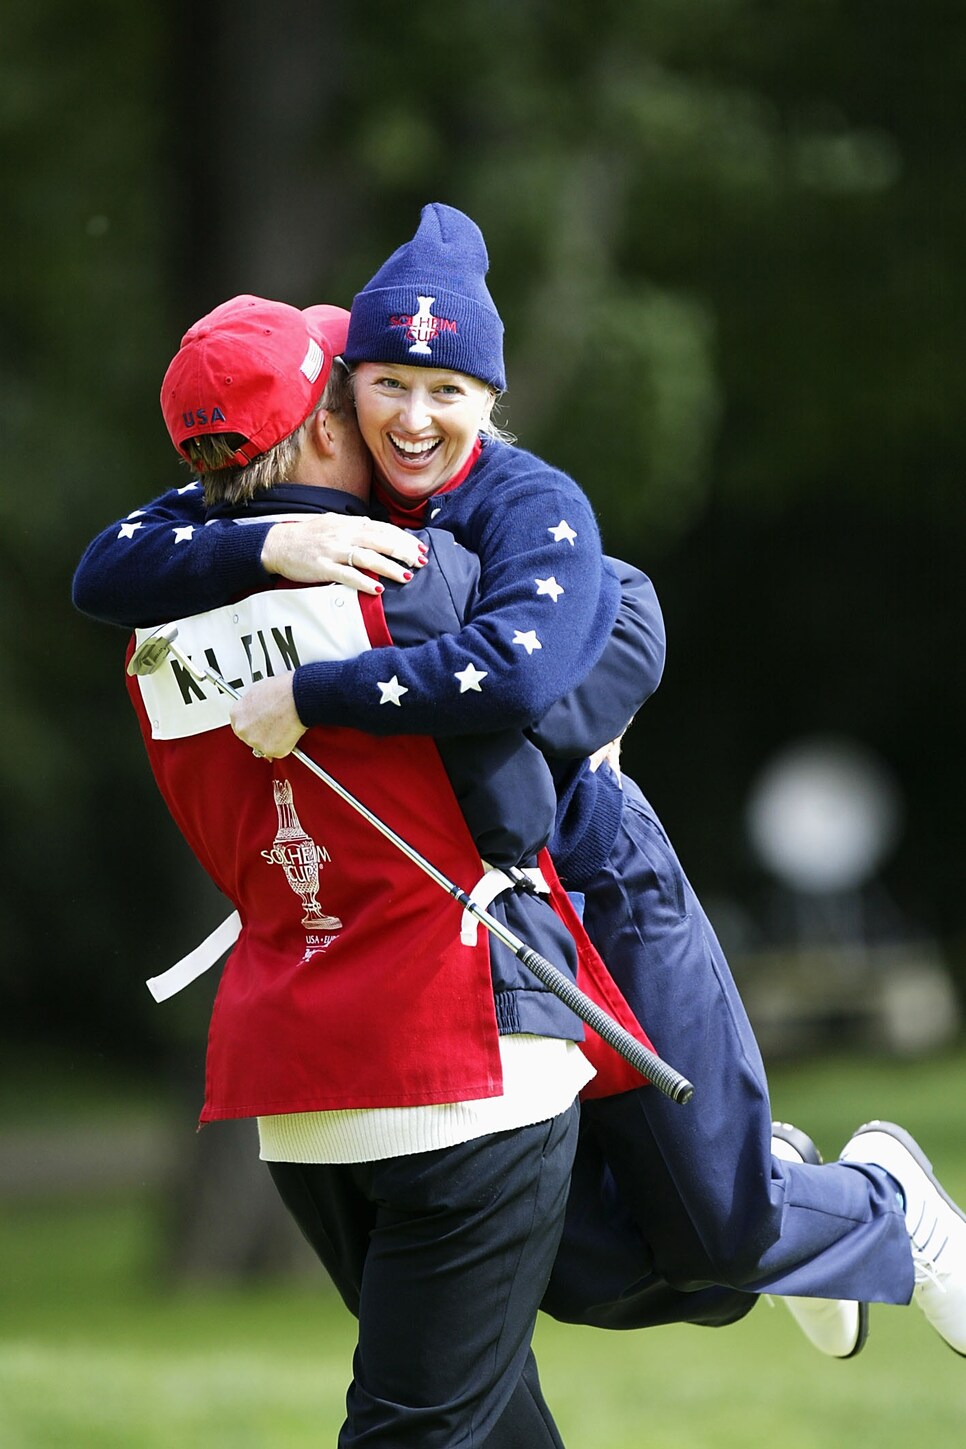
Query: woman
427	370
717	1199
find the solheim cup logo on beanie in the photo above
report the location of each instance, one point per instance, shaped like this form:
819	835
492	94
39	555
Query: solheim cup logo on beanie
422	327
429	306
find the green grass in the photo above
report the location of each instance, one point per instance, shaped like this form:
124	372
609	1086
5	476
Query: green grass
94	1351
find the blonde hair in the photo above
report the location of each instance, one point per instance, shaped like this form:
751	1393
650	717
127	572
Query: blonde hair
225	482
491	428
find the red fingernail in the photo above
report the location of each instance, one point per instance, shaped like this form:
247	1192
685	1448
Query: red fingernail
407	574
380	588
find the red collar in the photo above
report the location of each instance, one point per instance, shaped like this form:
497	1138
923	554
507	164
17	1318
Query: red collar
415	516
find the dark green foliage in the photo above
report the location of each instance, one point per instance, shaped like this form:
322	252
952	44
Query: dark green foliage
726	238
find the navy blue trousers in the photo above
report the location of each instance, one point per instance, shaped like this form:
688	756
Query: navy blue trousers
681	1213
443	1257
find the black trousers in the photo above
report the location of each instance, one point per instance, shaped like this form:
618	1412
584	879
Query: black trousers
444	1257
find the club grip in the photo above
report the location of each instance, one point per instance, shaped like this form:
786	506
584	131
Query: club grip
662	1076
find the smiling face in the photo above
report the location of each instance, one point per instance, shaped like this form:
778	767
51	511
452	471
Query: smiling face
419	423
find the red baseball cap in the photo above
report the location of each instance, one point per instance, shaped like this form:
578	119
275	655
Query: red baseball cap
253	367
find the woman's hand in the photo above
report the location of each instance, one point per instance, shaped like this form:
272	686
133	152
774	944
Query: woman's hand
265	718
334	548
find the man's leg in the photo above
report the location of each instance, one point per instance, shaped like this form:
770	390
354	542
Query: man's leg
460	1246
526	1421
339	1235
333	1216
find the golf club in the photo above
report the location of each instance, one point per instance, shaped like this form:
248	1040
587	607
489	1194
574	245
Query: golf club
158	646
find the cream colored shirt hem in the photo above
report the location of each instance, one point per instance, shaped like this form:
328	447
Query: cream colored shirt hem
541	1077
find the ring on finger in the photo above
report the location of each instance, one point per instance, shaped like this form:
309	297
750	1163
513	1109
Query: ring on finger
349	557
258	754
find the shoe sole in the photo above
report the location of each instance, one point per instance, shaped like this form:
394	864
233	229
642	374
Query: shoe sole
808	1152
892	1129
799	1140
862	1335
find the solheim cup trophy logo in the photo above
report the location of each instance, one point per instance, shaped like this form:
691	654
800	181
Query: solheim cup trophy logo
423	327
301	859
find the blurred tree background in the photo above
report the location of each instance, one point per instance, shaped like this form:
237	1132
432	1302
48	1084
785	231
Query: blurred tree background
726	238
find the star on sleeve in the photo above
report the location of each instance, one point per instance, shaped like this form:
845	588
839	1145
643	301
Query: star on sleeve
563	533
550	587
128	530
392	691
189	487
183	535
528	639
469	678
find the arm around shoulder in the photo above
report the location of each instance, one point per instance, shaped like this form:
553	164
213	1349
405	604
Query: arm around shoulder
164	560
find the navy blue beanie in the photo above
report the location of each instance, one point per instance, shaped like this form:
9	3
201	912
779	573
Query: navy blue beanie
428	305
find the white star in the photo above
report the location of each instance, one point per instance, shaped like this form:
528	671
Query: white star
563	531
392	691
183	535
435	511
469	678
128	530
136	513
549	586
189	487
529	640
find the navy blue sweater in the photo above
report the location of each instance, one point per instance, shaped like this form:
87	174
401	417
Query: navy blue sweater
549	605
546	608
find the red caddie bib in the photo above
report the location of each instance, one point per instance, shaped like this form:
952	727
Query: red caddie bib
349	985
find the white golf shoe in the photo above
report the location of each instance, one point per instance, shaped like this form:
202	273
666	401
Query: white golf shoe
937	1227
837	1327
